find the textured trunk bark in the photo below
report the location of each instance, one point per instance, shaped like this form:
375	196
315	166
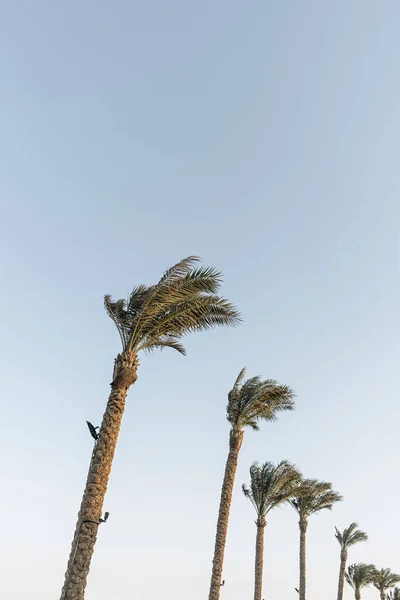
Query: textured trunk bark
235	442
357	594
125	374
382	592
342	571
258	571
302	582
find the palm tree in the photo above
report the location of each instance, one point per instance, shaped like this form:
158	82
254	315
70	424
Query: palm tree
384	579
394	594
249	402
358	576
156	316
270	486
312	496
349	537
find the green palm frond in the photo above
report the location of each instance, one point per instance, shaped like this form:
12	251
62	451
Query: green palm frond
360	575
313	496
255	399
350	536
271	485
384	579
393	594
183	301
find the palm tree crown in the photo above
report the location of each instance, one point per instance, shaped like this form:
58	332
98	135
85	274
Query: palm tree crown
255	400
184	300
313	496
359	575
271	485
384	579
350	536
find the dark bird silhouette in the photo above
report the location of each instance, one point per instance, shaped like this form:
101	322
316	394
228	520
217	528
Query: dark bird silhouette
297	590
93	430
223	583
104	519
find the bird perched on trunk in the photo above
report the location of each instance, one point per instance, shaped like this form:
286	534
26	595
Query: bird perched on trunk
93	430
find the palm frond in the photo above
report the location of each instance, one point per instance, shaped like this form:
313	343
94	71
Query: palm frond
183	301
239	379
271	485
350	536
360	575
384	579
167	342
393	594
314	495
254	400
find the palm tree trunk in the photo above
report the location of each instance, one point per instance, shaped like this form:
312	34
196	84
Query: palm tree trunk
235	442
342	571
302	583
357	594
258	572
125	374
382	592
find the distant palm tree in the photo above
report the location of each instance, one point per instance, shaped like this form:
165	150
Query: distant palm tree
393	594
249	402
384	579
312	496
350	536
270	486
358	576
156	316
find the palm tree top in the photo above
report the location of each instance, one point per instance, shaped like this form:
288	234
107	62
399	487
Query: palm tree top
271	485
184	300
254	400
314	495
385	579
359	575
350	536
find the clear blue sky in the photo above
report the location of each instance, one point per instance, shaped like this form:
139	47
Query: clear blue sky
263	136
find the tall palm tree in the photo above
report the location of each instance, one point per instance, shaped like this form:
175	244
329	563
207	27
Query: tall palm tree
270	486
358	576
249	402
393	594
312	496
350	536
384	579
156	316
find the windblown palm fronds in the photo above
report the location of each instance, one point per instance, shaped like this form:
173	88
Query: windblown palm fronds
183	301
350	536
254	400
384	579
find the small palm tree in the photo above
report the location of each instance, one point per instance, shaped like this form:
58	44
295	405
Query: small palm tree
156	316
393	594
249	402
270	486
350	536
383	580
312	497
358	576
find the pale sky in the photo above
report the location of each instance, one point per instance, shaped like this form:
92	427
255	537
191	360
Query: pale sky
264	137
